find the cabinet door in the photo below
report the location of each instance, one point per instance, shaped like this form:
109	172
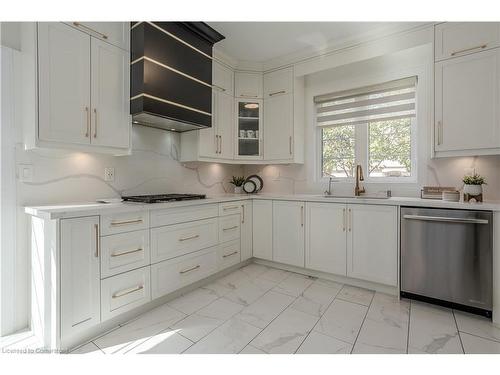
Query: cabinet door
209	138
222	78
248	85
288	232
454	39
246	230
278	82
111	120
467	102
326	239
80	279
225	125
278	130
372	243
262	222
63	84
249	129
116	33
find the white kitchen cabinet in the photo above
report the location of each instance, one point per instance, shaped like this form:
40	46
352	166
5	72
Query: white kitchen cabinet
248	85
326	239
248	129
278	129
64	84
288	232
115	33
228	254
278	82
225	125
229	228
467	103
246	230
110	85
222	78
372	243
262	220
80	278
453	39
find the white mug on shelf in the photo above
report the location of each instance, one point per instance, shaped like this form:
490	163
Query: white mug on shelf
250	134
243	133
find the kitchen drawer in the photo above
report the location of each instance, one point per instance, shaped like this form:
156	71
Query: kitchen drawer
124	222
124	252
125	292
175	240
174	274
228	254
229	228
230	208
177	215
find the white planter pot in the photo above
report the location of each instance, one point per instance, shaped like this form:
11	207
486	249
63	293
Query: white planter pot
473	189
238	189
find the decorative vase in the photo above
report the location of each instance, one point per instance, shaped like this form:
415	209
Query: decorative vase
238	190
473	192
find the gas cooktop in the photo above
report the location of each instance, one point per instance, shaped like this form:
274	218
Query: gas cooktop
158	198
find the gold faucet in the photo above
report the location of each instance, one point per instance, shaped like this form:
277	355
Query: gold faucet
359	177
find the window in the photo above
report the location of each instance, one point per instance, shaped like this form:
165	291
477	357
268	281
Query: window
373	126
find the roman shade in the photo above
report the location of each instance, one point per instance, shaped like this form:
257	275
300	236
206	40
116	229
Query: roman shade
386	101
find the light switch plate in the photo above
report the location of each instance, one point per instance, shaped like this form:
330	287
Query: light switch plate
109	174
25	172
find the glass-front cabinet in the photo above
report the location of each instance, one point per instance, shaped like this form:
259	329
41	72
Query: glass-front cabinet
249	129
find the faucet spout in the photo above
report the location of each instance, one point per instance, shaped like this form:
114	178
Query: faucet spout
358	190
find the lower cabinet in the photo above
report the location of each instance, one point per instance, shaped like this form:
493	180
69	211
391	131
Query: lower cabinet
246	230
288	232
326	240
80	278
228	254
262	235
372	243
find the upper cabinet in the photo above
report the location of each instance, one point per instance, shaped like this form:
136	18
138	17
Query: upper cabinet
279	82
248	129
115	33
467	89
453	39
248	85
222	78
81	91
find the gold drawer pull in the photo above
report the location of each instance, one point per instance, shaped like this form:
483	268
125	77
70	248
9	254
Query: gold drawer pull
124	292
118	223
483	46
230	208
126	252
190	269
189	238
228	255
78	24
219	88
277	92
230	228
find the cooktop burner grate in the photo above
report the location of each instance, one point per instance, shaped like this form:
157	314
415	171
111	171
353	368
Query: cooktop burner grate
158	198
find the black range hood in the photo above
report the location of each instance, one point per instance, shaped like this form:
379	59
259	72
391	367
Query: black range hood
171	74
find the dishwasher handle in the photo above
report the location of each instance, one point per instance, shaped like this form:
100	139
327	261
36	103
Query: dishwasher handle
446	219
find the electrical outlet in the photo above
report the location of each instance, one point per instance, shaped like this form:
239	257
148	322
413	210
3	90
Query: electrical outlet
109	174
25	172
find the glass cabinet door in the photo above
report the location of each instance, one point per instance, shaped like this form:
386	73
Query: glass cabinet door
249	132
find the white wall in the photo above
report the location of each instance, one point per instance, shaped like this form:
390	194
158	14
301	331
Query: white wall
444	172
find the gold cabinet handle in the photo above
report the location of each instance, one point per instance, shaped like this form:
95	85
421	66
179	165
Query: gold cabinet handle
95	123
230	254
350	219
249	96
220	144
114	255
127	222
96	228
190	269
219	88
189	238
277	92
482	46
230	228
78	24
230	208
290	144
87	125
124	292
301	216
242	214
343	220
440	133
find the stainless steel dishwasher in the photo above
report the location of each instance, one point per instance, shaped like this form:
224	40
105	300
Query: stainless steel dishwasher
447	257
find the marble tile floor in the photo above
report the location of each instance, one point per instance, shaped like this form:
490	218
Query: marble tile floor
259	310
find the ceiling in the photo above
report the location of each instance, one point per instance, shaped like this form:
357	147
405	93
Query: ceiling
264	41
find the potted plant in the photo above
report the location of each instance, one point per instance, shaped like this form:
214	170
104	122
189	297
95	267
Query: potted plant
238	184
473	187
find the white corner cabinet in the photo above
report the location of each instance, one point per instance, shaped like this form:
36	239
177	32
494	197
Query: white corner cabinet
467	89
90	61
257	119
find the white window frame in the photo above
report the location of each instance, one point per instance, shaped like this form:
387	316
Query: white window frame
361	154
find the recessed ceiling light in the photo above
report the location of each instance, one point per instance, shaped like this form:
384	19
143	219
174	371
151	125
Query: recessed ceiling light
173	130
251	106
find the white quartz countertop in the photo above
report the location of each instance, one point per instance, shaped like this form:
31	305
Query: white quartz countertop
93	208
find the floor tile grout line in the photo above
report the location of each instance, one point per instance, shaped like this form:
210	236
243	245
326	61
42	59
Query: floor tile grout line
409	322
362	324
480	337
458	331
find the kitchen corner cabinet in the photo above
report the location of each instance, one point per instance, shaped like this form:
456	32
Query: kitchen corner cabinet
262	229
95	117
80	277
248	85
246	230
288	232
